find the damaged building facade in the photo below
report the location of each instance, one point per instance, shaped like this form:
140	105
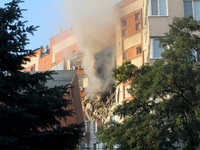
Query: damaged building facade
132	36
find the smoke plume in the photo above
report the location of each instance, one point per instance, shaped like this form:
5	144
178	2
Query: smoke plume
93	27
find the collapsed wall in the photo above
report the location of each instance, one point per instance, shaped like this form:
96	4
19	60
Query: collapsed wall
98	103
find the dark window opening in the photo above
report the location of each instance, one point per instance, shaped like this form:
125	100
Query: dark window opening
32	69
123	23
137	16
125	55
139	50
138	26
124	32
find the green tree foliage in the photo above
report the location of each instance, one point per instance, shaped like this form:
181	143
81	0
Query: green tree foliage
29	111
165	110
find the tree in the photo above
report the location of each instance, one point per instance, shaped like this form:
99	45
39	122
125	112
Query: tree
165	110
29	111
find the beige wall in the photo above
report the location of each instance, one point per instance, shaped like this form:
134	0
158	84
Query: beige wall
130	8
33	60
132	41
62	45
137	61
128	43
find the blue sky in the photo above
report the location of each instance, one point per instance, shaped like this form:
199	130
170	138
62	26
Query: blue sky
48	14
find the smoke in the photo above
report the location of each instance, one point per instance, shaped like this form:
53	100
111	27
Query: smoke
93	26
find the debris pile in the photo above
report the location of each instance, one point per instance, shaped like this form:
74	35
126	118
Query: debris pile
100	106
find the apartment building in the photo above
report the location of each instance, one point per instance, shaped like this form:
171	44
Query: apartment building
137	25
129	39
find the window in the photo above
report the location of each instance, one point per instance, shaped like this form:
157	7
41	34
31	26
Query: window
125	55
32	69
82	146
158	8
83	81
137	16
57	67
87	128
95	126
138	26
139	50
192	8
75	62
126	93
123	23
124	32
156	50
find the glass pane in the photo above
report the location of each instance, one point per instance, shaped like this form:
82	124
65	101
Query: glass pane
139	50
187	8
197	10
124	23
60	66
126	93
125	55
162	7
154	7
124	32
138	26
157	51
137	16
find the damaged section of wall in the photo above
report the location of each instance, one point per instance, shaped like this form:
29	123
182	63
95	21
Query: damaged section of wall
100	105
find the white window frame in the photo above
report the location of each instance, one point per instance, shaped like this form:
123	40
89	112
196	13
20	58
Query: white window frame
95	126
150	9
193	11
126	93
153	49
56	67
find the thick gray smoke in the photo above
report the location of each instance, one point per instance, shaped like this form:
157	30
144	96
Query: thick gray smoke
93	27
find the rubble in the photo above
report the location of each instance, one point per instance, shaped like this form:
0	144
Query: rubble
100	106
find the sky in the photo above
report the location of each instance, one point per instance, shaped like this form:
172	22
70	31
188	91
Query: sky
48	14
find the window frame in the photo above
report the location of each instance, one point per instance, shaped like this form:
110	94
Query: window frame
136	27
126	93
123	23
33	68
158	7
124	32
58	66
193	8
136	16
138	50
125	55
152	52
